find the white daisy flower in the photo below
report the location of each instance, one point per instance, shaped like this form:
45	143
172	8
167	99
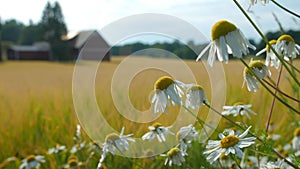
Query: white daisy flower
296	140
57	149
260	70
271	58
238	109
185	136
77	147
254	162
195	97
226	39
32	161
264	2
166	90
115	142
159	131
286	47
230	143
73	163
174	156
276	165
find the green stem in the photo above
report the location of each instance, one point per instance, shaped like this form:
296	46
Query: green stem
236	161
273	100
202	123
266	41
281	92
285	9
264	85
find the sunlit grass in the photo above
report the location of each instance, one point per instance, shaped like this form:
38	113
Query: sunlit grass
37	112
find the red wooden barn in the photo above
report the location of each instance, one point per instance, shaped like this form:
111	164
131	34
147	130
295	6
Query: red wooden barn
38	51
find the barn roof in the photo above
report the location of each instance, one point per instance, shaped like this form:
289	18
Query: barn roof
82	37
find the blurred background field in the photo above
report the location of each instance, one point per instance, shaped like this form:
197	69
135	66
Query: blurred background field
37	111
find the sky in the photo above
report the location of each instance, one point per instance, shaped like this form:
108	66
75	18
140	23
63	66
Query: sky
201	14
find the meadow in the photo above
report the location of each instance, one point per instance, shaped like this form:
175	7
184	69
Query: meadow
37	111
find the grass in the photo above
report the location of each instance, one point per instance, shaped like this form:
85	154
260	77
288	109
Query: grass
37	111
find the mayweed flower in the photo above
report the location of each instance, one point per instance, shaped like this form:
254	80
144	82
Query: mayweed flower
185	136
77	147
57	149
166	90
226	39
73	163
271	58
254	162
276	165
231	143
260	70
238	109
157	130
195	97
115	142
296	140
32	161
252	2
174	156
287	47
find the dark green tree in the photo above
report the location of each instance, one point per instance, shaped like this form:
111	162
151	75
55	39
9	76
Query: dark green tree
11	30
1	40
31	33
53	28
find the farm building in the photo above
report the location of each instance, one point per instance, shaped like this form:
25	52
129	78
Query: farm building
90	43
38	51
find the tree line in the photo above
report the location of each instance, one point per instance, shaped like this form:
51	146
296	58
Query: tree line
189	50
50	28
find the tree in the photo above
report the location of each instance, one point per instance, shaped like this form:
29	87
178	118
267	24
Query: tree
11	30
53	28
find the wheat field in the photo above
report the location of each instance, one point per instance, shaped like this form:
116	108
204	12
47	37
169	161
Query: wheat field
37	111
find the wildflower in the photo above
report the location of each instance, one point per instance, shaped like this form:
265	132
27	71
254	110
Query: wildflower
238	108
264	2
32	161
57	149
166	90
77	147
231	143
195	97
94	147
254	162
226	39
174	156
271	58
260	70
185	136
274	165
296	140
73	163
287	47
115	142
157	130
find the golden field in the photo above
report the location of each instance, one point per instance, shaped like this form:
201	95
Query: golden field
37	111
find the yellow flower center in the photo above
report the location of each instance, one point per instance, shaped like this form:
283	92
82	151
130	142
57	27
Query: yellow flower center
112	137
195	87
229	141
271	42
173	152
72	162
30	158
297	132
286	38
163	83
221	28
254	64
156	125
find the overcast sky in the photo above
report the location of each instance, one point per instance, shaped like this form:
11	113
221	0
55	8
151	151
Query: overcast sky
202	14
